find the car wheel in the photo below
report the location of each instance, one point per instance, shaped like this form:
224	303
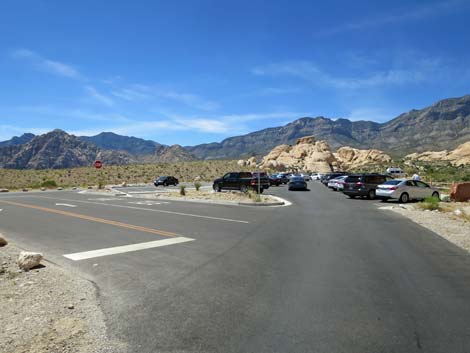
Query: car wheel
243	188
384	200
352	196
404	198
436	195
371	194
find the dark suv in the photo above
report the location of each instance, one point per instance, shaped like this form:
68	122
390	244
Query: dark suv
165	181
363	185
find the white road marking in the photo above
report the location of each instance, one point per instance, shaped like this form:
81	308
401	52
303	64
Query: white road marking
104	199
148	203
126	248
149	209
65	204
1	209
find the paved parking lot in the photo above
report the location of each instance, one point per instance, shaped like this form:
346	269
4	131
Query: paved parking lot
326	274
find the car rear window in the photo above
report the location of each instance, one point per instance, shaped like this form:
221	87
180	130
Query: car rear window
352	179
245	175
297	179
392	182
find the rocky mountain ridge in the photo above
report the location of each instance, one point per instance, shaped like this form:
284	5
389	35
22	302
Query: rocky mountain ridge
57	149
443	125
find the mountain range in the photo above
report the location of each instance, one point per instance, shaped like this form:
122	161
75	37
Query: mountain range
444	125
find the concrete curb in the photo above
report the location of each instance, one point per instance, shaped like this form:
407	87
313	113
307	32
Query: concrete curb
261	204
215	202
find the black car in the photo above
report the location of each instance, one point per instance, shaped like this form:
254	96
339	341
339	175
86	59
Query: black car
166	180
327	177
242	181
363	185
275	180
297	183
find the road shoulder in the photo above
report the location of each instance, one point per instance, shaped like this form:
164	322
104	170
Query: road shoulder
49	309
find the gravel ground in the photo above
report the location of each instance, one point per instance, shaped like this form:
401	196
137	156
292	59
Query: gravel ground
48	309
446	224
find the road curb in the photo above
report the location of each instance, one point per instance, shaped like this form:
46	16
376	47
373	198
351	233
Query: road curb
261	204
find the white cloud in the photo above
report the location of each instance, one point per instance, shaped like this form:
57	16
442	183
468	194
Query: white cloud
137	92
408	70
407	15
101	98
48	65
370	114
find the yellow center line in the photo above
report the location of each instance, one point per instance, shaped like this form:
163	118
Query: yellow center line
93	219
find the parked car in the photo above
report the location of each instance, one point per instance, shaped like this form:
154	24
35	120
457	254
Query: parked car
165	181
395	172
242	181
297	183
274	180
405	190
283	177
305	176
363	185
316	176
327	177
337	183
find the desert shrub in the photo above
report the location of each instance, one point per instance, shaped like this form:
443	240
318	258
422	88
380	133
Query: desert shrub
430	203
49	184
197	185
182	190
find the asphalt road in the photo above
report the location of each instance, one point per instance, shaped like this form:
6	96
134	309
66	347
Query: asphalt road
326	274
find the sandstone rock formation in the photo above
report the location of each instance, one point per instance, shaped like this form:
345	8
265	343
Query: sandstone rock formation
3	241
460	192
352	158
251	162
306	155
458	156
28	260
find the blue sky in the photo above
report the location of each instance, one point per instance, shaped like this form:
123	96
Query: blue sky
197	71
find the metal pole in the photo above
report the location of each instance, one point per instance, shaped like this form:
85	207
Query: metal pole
259	178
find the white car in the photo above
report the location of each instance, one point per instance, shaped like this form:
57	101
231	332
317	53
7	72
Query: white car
315	176
405	190
396	172
337	184
305	176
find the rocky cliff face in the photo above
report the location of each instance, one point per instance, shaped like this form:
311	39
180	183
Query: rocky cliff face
57	149
443	125
352	158
306	155
458	156
142	151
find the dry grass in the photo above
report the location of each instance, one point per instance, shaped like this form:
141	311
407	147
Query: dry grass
142	173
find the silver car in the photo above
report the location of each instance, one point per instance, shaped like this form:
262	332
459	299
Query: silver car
405	190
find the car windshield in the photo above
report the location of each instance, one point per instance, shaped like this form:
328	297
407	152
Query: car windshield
392	182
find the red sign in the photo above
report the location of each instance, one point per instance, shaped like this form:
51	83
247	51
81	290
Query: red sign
98	164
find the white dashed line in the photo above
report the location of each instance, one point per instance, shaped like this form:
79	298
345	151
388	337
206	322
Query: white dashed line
150	210
126	248
65	204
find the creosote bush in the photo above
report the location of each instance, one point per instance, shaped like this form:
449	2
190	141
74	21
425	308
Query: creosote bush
430	203
49	184
197	185
182	190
